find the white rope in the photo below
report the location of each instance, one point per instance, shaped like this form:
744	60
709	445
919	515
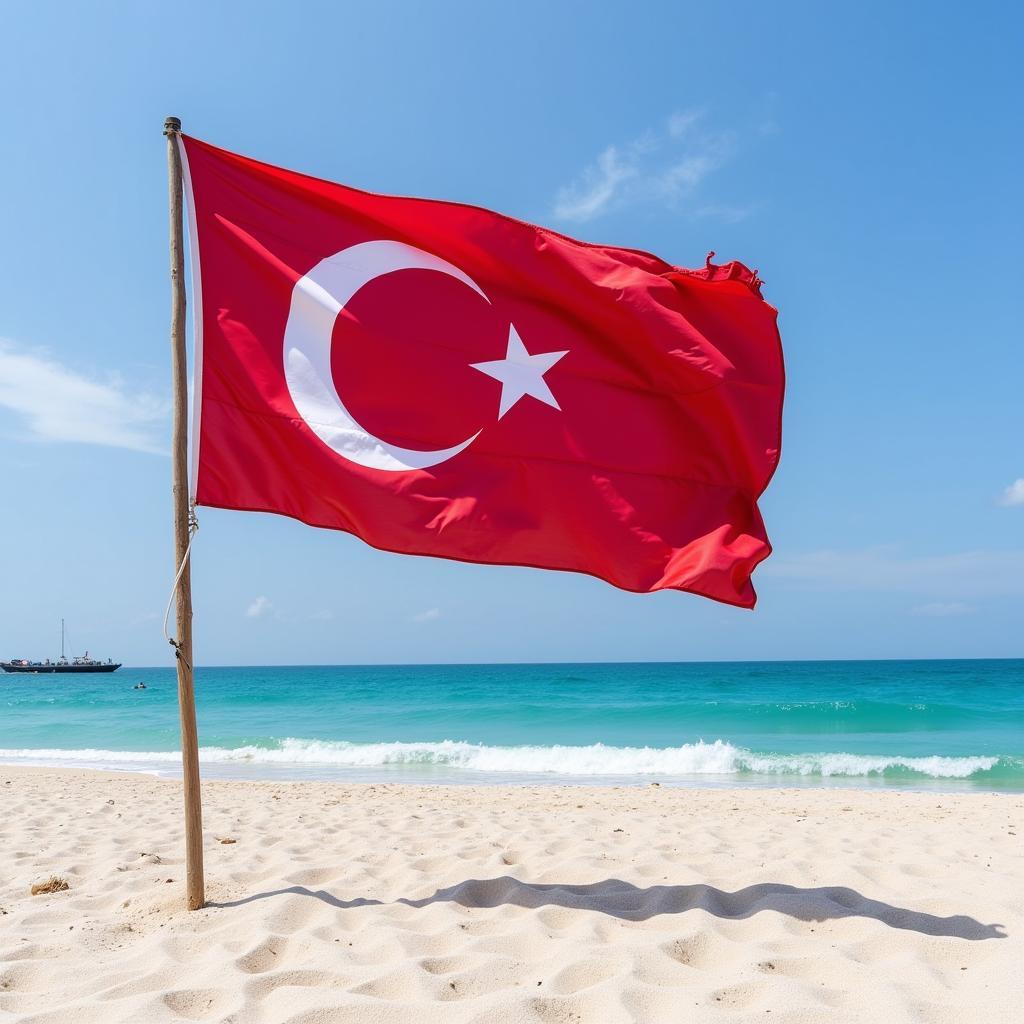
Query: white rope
193	529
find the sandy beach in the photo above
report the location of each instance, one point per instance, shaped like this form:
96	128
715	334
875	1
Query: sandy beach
391	903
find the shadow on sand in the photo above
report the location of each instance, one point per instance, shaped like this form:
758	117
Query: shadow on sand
630	903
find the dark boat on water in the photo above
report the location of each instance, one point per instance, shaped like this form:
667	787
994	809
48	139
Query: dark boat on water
77	664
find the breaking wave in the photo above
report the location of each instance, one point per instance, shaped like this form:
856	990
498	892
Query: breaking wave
718	758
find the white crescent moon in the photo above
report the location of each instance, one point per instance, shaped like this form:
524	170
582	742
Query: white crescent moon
317	299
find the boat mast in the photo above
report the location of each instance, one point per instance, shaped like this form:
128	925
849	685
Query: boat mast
61	639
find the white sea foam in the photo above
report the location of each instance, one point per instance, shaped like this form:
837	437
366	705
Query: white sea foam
718	758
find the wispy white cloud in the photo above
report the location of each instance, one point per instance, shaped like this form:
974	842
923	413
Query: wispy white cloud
682	121
1014	494
596	188
322	615
940	578
258	608
427	616
944	609
667	165
683	177
58	403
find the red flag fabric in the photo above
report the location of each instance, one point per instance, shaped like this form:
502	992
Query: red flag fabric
438	379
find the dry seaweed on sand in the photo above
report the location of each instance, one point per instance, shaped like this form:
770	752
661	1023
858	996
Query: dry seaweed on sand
53	884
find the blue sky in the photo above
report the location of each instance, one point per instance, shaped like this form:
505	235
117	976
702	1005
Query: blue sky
865	158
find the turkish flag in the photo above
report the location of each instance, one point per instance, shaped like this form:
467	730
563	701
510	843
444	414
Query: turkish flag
441	380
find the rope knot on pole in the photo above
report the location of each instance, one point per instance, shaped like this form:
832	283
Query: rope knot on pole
193	529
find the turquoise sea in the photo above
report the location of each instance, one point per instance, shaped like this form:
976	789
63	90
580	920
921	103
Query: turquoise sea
935	724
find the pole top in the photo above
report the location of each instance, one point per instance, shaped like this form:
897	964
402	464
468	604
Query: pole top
172	126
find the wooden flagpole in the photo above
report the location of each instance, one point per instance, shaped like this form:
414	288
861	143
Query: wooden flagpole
194	885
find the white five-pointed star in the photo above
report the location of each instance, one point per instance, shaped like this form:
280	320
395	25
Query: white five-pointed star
520	373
